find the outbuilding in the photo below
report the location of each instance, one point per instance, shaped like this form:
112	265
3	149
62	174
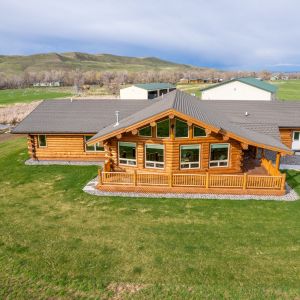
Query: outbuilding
144	91
245	88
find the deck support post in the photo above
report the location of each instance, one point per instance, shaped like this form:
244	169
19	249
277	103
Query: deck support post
134	178
277	164
207	180
262	153
170	179
100	176
282	188
245	181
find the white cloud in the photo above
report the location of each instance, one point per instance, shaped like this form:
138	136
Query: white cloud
231	33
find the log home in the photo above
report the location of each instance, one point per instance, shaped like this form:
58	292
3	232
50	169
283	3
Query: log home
174	143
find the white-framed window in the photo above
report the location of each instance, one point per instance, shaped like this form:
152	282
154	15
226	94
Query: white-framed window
154	156
145	131
42	141
199	131
190	156
296	136
163	128
181	129
97	147
127	153
219	155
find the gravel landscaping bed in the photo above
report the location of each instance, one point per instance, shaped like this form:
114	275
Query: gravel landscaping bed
32	162
288	162
90	188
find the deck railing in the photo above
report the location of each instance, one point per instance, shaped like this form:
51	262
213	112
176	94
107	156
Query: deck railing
270	168
205	180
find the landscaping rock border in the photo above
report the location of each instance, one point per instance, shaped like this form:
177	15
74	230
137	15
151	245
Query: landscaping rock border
90	188
33	162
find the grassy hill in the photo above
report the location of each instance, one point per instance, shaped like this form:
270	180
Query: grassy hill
73	60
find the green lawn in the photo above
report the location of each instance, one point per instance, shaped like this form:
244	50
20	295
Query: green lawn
57	242
27	95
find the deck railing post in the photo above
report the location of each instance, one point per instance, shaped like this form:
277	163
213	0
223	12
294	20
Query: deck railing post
245	181
207	180
100	176
134	178
171	179
283	178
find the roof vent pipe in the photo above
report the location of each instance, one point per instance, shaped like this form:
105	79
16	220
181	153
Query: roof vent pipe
246	114
117	118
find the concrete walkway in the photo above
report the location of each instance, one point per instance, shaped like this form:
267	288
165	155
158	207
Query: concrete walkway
90	188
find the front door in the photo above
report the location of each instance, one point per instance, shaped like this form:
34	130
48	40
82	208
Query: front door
296	140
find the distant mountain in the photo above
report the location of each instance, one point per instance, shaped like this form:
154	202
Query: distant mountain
15	64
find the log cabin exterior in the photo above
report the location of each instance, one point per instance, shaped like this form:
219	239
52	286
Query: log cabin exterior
173	143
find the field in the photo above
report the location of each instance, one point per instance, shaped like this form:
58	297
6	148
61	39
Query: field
27	95
57	242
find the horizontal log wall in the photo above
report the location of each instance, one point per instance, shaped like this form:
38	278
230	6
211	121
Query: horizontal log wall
172	153
286	135
62	147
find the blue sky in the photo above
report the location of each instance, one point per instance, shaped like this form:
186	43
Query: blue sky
231	34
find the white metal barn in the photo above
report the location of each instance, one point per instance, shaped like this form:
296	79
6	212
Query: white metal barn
146	91
246	88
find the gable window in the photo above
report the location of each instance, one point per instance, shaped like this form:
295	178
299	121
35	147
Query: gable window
146	131
155	156
92	148
163	128
219	155
42	141
181	129
199	132
127	153
189	156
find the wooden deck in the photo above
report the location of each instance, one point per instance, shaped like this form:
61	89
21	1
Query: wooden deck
271	182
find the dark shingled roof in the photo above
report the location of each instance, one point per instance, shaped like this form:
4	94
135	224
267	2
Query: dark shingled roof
77	116
260	126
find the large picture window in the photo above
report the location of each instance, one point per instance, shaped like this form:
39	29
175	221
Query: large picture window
146	131
42	141
127	153
92	148
189	156
181	129
199	132
163	128
155	156
219	155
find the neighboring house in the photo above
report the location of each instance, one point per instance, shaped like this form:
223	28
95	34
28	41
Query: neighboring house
175	143
146	91
246	88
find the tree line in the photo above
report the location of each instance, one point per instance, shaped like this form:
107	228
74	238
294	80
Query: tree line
113	80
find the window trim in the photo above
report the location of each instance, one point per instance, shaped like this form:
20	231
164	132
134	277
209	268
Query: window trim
149	161
198	136
127	159
181	137
91	151
189	163
163	137
294	132
218	161
145	136
39	142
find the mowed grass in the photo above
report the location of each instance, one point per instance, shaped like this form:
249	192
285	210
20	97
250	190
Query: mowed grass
11	96
56	242
288	89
